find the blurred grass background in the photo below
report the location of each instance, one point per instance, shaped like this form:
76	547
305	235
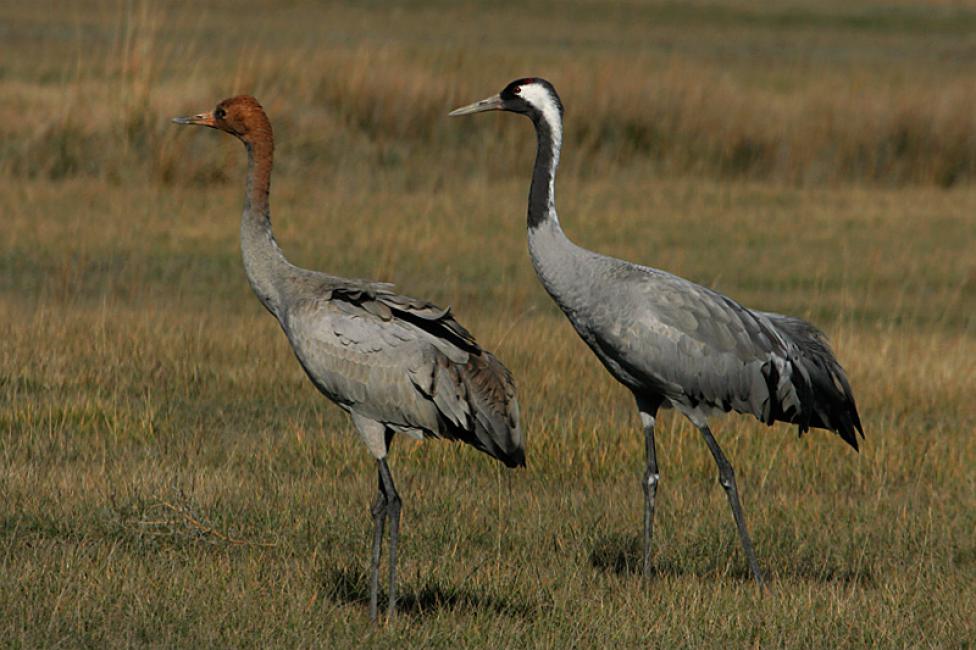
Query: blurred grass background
169	477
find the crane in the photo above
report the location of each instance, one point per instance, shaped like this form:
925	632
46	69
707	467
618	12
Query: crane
670	341
396	364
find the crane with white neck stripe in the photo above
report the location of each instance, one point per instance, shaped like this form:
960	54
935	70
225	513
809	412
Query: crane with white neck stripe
670	341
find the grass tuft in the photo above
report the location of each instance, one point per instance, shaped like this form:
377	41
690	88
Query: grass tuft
169	477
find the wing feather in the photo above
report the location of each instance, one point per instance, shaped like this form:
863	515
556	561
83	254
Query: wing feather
700	349
705	352
408	364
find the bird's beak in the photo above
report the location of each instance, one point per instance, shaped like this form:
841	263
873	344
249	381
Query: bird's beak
493	103
203	119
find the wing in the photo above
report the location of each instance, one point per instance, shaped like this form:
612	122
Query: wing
700	349
408	364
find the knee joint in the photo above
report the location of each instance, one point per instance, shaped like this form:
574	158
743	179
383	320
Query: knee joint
651	479
727	479
379	506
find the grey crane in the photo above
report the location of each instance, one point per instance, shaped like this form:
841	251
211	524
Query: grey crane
674	343
394	363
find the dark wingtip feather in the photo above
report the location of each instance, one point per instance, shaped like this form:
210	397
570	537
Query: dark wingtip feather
492	395
831	401
516	459
492	426
849	436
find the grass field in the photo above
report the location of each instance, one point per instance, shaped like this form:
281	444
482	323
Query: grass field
168	477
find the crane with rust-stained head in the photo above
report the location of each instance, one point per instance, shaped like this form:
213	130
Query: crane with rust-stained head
674	343
394	363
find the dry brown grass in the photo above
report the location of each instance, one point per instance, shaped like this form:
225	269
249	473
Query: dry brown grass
835	94
169	478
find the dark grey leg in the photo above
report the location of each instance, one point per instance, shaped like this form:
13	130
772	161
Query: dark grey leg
726	477
393	511
648	411
378	510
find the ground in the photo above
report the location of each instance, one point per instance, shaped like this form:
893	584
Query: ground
170	478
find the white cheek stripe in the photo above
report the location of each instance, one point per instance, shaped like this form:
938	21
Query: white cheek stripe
538	95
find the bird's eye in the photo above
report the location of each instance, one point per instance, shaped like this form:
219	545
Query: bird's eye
517	90
220	113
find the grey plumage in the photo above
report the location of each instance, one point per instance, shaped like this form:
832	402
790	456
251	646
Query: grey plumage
701	351
674	343
396	364
402	362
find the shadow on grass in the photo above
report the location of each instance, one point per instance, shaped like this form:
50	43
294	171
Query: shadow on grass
617	554
623	555
352	586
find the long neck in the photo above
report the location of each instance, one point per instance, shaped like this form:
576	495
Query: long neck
264	262
542	192
554	257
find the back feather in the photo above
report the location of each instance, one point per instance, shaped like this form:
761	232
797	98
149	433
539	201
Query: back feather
379	298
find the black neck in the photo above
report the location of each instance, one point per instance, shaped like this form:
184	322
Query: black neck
542	202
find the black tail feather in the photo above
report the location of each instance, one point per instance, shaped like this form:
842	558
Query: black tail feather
832	404
495	427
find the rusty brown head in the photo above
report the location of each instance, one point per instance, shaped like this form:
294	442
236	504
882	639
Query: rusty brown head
241	116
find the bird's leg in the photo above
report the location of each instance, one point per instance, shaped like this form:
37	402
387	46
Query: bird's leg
393	511
649	482
378	511
726	477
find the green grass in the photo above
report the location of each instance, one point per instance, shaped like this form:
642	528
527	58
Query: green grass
168	477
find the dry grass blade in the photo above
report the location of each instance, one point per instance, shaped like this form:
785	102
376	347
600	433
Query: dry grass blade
184	521
792	155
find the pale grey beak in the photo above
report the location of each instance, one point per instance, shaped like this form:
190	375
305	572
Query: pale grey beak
203	119
493	103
